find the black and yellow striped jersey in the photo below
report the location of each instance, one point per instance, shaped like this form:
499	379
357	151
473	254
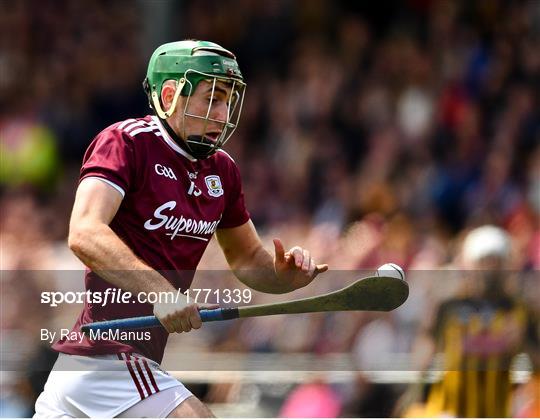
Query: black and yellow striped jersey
478	339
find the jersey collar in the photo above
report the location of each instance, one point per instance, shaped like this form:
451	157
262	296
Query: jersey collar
170	142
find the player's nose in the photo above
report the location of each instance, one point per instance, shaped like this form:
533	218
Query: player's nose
219	111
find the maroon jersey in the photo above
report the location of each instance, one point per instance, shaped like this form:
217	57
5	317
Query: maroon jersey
172	205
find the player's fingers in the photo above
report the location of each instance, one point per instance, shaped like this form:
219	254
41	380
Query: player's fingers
298	256
312	268
289	259
185	325
279	250
176	326
195	318
306	261
168	325
167	322
321	268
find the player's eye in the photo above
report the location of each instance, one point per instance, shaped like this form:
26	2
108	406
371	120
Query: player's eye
234	99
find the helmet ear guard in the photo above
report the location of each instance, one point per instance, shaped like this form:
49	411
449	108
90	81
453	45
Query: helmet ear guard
156	101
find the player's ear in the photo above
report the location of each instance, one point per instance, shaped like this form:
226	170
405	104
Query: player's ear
167	94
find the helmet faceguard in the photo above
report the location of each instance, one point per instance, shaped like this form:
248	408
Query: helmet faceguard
188	63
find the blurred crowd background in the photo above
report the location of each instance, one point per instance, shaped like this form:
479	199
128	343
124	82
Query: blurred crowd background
371	132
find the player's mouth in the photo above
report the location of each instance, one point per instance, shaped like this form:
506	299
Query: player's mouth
212	136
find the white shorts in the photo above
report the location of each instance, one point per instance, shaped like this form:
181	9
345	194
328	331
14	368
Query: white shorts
106	386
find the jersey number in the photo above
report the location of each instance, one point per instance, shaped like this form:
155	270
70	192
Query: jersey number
193	190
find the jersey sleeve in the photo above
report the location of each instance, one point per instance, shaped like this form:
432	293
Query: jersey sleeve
111	157
235	212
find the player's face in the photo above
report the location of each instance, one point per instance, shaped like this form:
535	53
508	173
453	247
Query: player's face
489	276
210	103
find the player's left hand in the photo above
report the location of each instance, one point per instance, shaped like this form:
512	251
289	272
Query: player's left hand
296	267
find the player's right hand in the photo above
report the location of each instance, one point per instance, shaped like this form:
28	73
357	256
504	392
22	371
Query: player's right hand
181	317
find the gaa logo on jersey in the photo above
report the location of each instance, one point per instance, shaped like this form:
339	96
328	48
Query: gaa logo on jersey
214	185
164	171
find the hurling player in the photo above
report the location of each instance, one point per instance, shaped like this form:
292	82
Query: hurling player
152	193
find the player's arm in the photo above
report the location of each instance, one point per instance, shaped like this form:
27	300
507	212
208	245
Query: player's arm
257	268
100	249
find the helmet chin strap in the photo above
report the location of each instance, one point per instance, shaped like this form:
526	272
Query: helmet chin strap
200	147
196	146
